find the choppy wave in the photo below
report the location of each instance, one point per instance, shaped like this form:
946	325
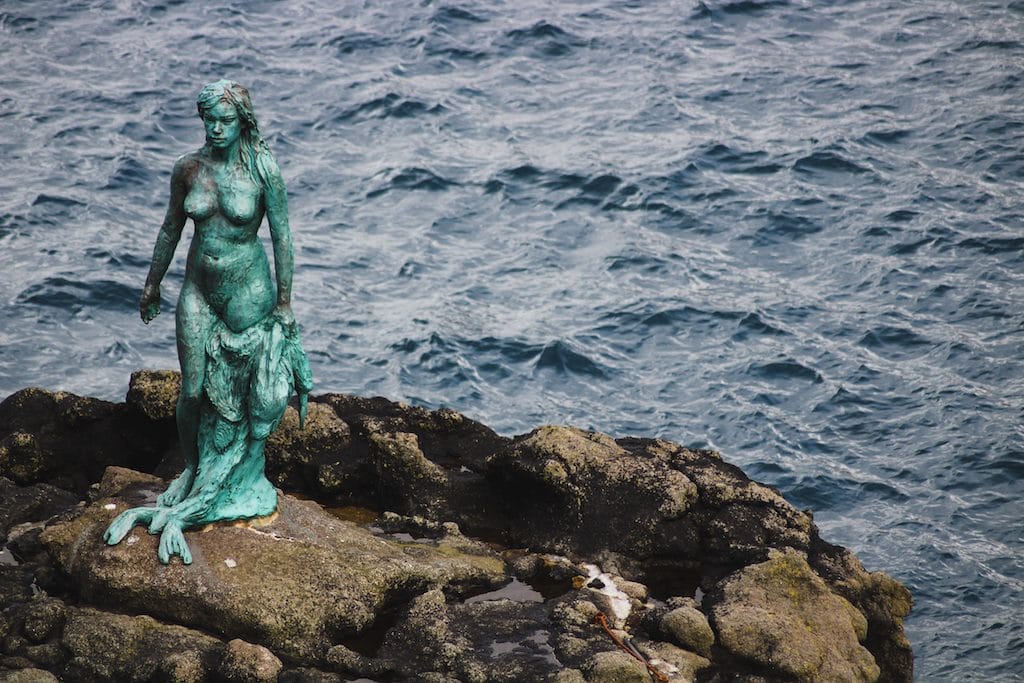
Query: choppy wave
785	229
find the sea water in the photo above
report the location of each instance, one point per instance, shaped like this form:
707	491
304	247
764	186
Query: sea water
788	230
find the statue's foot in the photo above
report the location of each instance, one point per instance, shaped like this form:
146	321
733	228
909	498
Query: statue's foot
178	489
125	522
172	542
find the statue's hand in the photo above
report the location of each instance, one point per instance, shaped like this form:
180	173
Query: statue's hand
149	304
283	312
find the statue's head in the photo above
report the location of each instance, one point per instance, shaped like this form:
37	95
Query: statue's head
231	93
226	110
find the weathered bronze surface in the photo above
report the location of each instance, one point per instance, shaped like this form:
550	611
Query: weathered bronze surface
238	343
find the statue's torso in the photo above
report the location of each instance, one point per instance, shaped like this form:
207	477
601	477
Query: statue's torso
226	258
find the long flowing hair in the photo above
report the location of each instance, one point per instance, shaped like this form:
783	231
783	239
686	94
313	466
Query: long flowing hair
255	152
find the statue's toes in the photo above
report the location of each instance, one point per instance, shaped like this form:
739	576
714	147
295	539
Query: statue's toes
172	542
184	552
178	489
113	535
163	551
120	527
172	496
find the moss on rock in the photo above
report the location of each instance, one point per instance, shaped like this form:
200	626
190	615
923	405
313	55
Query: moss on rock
782	617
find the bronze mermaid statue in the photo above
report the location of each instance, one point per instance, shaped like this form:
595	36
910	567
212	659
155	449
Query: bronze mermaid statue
238	343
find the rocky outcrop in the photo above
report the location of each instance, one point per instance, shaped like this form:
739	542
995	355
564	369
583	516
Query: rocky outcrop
67	441
29	503
416	545
666	511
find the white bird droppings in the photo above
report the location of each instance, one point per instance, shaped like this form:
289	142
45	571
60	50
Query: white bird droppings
619	600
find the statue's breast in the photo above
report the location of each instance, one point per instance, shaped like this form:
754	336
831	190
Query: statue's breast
233	196
239	201
201	202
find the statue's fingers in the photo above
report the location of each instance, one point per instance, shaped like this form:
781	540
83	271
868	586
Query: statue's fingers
149	311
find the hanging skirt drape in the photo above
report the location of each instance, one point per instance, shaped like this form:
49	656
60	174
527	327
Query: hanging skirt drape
250	376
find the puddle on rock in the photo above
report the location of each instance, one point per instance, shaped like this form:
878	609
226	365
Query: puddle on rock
539	643
372	521
354	514
502	647
541	586
515	590
401	536
534	645
549	587
7	558
409	538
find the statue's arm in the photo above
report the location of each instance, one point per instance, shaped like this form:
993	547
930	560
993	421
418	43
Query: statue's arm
276	198
166	240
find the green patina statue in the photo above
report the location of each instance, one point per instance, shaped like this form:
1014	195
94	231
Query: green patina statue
238	344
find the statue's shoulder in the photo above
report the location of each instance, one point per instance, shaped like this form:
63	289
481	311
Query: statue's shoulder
268	163
187	164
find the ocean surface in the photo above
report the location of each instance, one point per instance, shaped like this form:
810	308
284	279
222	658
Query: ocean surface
788	230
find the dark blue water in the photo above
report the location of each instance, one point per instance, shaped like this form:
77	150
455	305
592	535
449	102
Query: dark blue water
788	230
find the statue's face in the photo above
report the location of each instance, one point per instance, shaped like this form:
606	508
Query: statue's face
223	127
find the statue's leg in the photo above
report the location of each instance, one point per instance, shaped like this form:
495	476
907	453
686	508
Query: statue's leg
215	480
125	522
172	542
181	484
194	318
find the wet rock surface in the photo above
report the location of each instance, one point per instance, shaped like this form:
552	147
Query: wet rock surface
416	545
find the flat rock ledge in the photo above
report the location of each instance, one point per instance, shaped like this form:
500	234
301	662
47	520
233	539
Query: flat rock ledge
417	545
